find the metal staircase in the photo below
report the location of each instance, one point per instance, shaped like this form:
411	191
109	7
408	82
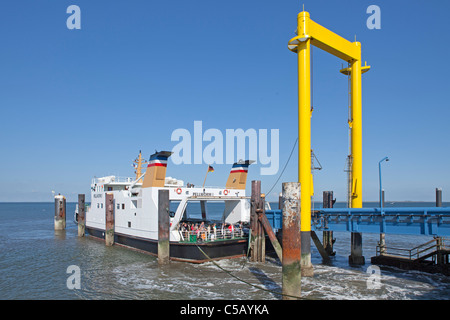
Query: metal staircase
432	256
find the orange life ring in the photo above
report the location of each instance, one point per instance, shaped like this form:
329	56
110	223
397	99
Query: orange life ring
178	190
225	192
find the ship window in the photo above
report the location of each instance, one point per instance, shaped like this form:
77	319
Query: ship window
193	210
98	205
129	224
118	206
123	206
215	209
109	188
101	205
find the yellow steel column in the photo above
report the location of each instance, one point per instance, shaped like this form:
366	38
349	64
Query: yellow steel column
356	255
304	134
356	132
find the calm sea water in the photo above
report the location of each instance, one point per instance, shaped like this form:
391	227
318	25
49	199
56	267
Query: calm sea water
34	260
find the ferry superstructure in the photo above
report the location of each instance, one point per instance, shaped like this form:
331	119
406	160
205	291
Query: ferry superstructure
136	212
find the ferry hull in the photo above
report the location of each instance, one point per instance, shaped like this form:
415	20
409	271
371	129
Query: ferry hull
181	251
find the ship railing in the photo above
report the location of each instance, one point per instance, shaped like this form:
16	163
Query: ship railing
124	179
111	179
211	235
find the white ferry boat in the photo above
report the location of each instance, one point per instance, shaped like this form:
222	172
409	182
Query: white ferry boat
136	212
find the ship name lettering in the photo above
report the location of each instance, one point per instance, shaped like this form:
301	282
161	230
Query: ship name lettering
202	194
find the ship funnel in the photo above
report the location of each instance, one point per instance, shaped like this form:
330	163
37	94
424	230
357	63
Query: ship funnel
156	169
238	175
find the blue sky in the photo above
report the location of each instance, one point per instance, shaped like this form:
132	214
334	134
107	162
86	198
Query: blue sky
82	103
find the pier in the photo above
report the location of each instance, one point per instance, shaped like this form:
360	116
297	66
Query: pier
432	256
408	220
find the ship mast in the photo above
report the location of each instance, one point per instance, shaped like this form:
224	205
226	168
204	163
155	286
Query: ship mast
137	164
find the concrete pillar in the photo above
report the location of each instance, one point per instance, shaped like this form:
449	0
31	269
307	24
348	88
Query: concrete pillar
81	215
442	256
163	227
382	243
307	267
60	212
109	219
291	242
356	254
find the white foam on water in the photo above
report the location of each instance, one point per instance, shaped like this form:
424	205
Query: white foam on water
145	279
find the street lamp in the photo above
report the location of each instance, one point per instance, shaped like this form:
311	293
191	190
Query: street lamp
381	192
382	242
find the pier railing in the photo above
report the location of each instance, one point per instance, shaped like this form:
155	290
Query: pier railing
211	235
422	251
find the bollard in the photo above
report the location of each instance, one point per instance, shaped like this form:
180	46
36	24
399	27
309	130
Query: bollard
81	215
328	240
60	212
291	242
438	197
109	219
163	227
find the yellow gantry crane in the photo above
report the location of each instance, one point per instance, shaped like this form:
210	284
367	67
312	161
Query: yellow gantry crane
311	33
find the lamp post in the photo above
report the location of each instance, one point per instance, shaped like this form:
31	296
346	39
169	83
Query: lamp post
381	189
382	243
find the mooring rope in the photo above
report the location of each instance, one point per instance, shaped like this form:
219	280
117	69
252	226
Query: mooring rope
243	281
292	151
